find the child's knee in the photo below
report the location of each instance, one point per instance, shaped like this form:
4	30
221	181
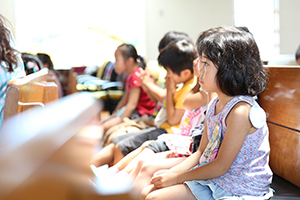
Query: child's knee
147	168
150	196
144	193
140	164
117	149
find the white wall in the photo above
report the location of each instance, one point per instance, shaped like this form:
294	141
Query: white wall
194	16
289	11
189	16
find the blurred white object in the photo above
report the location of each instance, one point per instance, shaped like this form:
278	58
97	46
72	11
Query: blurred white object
107	183
26	142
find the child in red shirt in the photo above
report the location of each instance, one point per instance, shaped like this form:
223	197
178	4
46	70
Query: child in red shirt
135	102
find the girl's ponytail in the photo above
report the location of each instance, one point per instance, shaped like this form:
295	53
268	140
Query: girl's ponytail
141	62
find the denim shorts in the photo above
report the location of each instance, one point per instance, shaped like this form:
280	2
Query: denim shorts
208	190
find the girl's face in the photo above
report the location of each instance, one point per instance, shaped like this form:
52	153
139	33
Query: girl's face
120	64
207	72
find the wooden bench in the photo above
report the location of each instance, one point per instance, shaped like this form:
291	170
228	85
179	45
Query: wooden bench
281	101
36	89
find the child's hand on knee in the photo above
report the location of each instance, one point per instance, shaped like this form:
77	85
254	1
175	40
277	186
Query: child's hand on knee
164	178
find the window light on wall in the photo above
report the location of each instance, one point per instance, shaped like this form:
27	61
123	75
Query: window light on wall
77	33
262	19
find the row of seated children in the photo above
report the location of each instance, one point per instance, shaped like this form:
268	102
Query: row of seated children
232	159
194	114
178	59
140	84
169	149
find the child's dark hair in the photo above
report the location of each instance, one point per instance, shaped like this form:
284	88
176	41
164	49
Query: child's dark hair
45	58
236	56
129	51
178	56
173	36
8	54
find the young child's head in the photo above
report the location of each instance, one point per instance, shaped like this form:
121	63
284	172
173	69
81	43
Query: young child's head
173	36
235	55
178	57
126	55
8	52
46	60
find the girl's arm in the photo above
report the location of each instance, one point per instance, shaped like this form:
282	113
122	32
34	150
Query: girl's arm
132	101
156	92
238	126
166	178
123	101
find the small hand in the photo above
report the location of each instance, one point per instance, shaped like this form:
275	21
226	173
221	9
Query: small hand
170	84
145	78
163	178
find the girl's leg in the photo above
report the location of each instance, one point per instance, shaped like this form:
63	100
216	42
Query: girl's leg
135	169
145	154
128	159
105	156
118	155
149	168
180	191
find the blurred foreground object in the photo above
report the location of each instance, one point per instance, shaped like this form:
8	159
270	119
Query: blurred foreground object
46	153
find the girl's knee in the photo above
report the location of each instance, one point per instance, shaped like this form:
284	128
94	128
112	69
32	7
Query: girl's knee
151	196
145	193
147	168
115	146
140	163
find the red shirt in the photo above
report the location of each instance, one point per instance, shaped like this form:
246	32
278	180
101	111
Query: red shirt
145	104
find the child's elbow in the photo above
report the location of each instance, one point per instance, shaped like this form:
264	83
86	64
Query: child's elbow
173	122
131	106
223	168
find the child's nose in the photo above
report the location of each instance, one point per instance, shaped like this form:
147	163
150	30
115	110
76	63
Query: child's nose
201	68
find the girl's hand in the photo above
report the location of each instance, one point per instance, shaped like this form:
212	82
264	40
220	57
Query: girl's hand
164	178
170	84
145	78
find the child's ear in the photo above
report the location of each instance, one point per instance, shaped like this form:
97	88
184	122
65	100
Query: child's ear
130	60
185	73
